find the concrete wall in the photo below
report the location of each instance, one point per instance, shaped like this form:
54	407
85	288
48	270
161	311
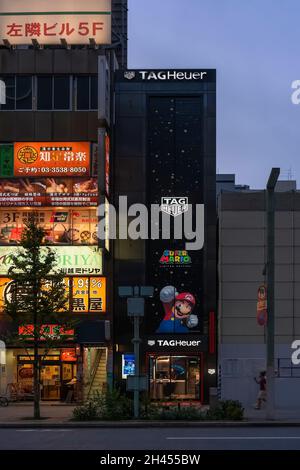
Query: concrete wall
242	257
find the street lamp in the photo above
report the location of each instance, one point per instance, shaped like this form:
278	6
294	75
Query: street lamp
273	178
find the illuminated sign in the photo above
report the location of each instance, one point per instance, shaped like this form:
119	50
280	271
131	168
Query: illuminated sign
61	226
51	159
175	258
174	206
87	294
128	365
184	343
49	22
168	75
41	192
47	332
107	164
71	260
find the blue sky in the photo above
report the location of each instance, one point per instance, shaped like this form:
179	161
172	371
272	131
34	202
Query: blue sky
255	47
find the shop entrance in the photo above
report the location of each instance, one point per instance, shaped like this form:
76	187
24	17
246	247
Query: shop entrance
58	375
175	377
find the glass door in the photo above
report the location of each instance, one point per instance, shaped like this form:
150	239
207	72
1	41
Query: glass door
50	382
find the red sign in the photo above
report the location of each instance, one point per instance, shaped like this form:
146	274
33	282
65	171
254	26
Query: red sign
262	311
68	355
51	159
107	164
52	332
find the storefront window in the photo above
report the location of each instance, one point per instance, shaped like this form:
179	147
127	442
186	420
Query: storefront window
175	377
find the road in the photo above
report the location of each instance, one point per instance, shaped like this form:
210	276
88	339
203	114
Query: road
243	438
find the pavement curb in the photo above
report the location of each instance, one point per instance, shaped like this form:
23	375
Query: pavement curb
143	424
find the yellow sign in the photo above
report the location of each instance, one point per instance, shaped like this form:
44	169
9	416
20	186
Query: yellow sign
88	294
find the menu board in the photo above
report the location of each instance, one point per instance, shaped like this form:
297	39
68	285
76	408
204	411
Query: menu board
41	192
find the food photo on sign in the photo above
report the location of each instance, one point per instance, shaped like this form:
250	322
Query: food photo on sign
75	226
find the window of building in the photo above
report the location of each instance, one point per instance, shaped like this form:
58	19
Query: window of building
86	92
18	92
50	92
53	92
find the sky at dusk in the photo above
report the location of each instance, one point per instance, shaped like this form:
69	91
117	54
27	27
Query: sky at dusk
255	47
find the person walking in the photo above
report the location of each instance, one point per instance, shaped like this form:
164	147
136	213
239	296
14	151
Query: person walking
262	394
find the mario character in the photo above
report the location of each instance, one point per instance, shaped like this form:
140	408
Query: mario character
178	311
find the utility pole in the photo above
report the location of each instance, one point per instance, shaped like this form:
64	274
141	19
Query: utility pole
273	178
136	310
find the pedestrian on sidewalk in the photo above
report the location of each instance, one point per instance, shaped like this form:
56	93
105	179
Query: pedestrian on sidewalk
262	394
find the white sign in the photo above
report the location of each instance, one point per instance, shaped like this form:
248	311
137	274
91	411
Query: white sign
174	205
48	22
71	260
165	75
2	92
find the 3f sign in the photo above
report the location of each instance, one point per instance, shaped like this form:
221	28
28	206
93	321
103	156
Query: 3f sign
2	92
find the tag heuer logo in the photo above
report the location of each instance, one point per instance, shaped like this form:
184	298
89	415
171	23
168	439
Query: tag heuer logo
174	206
151	342
129	75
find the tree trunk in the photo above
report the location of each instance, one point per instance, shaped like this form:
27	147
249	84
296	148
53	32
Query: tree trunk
36	382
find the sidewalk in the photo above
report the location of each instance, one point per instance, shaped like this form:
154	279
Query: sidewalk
19	415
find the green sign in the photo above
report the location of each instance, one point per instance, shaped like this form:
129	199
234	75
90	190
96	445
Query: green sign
6	161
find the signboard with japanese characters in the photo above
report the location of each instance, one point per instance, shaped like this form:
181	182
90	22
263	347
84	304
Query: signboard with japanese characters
49	22
61	226
38	159
43	192
70	260
87	294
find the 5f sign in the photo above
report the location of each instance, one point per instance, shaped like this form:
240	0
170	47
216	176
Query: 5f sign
2	92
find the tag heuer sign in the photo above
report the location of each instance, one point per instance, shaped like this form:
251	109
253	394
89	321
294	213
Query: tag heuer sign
174	206
129	75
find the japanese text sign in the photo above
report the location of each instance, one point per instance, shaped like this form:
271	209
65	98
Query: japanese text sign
51	159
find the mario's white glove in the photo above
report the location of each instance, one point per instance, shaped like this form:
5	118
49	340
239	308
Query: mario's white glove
192	321
168	294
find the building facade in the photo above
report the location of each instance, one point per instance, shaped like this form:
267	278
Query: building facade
242	259
165	147
58	112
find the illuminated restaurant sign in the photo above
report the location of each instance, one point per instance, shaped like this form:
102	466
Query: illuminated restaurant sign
49	22
37	159
47	332
87	294
71	260
41	192
61	226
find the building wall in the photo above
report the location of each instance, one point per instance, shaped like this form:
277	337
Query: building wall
242	257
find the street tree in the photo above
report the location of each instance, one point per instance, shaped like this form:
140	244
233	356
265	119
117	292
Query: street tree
37	301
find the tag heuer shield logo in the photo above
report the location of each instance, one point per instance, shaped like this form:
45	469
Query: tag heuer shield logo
151	342
129	75
174	206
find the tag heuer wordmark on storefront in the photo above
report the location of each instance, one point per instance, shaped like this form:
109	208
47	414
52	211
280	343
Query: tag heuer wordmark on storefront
174	206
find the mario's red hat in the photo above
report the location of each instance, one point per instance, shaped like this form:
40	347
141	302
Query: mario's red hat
186	296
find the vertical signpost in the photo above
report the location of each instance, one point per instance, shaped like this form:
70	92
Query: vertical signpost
271	288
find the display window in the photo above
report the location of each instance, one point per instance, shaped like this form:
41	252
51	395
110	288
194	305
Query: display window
175	377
